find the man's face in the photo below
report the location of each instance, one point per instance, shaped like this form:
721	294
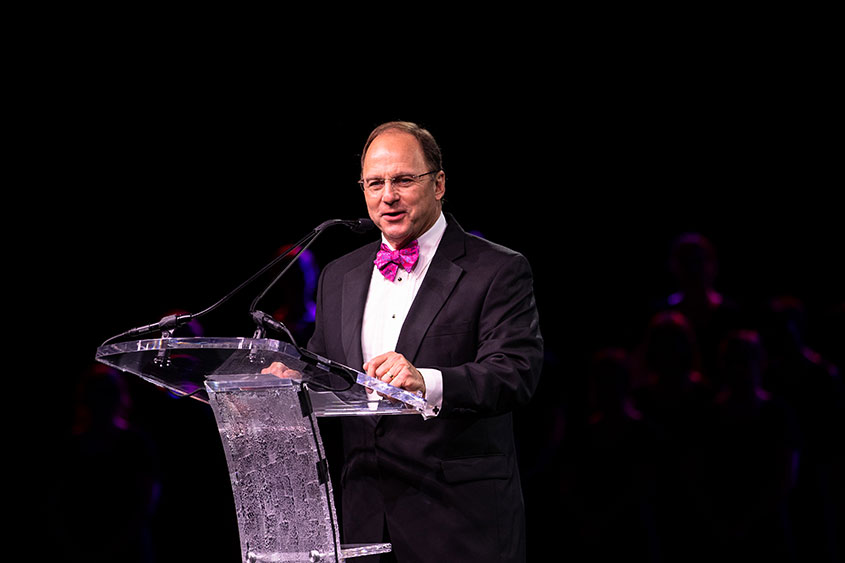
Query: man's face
401	214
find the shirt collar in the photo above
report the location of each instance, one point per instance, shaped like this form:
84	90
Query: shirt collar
429	240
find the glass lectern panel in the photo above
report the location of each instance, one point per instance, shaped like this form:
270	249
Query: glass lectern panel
268	426
185	365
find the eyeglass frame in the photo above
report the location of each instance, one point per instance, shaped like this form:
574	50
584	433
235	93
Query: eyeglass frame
412	177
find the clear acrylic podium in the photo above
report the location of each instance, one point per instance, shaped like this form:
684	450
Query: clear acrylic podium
277	465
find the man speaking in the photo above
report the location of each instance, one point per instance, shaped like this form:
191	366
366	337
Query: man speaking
435	310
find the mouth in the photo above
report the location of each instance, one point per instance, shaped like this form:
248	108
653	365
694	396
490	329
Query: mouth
392	216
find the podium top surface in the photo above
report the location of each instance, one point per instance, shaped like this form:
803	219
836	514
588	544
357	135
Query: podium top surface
194	366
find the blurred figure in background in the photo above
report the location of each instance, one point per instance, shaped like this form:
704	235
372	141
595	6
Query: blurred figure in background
830	336
607	471
295	294
694	266
667	364
673	401
813	388
749	469
107	484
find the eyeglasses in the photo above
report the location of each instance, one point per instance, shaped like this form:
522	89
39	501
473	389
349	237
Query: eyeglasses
374	186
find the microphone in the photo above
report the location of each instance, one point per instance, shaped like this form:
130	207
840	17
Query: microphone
361	225
170	323
262	319
356	225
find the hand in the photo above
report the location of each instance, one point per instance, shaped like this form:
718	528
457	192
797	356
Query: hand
281	370
393	368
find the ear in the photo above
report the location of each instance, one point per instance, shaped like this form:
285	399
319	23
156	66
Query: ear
440	185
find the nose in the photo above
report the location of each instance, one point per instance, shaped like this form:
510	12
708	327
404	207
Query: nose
389	193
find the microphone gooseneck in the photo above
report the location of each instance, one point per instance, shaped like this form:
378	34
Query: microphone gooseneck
170	323
261	319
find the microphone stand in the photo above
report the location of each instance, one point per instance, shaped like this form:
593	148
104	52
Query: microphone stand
262	319
171	322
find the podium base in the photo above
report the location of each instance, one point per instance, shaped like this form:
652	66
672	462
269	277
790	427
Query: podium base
346	552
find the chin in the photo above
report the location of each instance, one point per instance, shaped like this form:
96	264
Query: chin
397	235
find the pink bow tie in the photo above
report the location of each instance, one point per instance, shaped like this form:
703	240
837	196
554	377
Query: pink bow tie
388	261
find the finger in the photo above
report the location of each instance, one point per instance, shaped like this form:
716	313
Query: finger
279	370
387	370
373	365
399	368
386	366
392	374
380	365
272	369
399	380
404	375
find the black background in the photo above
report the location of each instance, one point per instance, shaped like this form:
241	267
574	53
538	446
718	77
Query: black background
162	190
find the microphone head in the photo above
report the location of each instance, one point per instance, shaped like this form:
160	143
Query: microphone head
361	225
357	225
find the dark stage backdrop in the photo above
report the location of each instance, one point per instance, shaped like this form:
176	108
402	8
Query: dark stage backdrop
173	201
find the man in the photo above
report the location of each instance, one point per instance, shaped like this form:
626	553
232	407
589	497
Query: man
458	325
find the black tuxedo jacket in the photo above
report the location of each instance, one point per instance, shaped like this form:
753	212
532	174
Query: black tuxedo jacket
447	488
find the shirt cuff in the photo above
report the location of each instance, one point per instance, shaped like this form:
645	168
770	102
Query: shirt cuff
433	390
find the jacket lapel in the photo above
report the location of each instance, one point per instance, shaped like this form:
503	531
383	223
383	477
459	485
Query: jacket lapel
439	281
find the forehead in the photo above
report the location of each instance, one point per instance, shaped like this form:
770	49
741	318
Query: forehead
394	151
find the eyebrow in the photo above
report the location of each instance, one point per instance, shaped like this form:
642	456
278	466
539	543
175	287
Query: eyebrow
389	176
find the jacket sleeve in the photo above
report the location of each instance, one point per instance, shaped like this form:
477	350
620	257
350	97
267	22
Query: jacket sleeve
509	353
